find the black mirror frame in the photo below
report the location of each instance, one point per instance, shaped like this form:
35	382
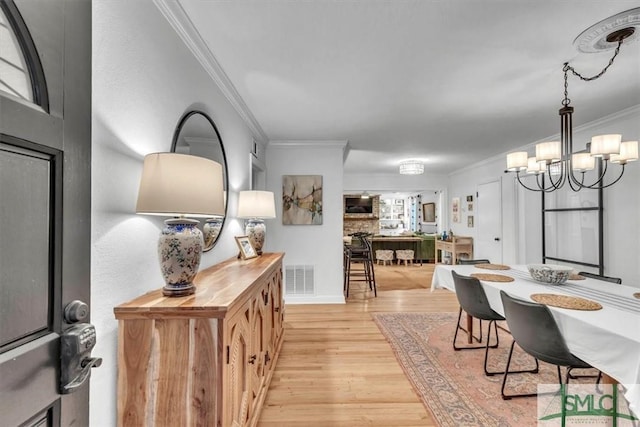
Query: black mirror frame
174	143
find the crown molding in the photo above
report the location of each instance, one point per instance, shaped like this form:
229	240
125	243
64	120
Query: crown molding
310	143
175	14
635	109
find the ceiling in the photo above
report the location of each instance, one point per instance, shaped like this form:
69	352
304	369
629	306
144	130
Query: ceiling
448	82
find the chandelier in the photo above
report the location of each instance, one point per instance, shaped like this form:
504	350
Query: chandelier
411	167
555	163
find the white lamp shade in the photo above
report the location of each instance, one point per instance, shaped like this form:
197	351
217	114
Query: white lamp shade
175	184
582	162
605	145
256	204
533	165
628	152
549	151
517	160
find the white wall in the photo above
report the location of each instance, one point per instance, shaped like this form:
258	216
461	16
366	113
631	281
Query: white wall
386	182
621	201
144	79
316	245
521	209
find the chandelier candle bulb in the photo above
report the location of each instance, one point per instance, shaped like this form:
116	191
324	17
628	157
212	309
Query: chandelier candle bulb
517	161
533	165
605	145
583	162
549	151
628	153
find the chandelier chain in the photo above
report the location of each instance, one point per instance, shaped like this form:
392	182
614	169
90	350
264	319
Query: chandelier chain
566	68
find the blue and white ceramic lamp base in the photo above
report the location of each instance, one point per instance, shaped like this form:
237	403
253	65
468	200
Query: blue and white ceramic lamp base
179	252
257	232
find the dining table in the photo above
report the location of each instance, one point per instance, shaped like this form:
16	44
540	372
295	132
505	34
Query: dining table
607	338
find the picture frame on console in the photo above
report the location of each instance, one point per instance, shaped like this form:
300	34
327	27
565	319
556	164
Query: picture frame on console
247	251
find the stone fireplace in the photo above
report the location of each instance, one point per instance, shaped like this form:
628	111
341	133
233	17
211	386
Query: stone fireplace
361	222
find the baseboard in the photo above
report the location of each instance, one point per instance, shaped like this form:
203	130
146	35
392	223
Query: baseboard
314	299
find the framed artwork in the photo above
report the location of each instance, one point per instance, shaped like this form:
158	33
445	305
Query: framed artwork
455	209
246	248
302	199
470	221
428	212
470	203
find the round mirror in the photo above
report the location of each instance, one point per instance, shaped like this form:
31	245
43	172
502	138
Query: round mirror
197	135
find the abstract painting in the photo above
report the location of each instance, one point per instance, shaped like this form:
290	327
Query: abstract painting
302	199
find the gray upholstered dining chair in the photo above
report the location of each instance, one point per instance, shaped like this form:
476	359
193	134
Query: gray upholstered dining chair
473	301
472	262
535	330
599	277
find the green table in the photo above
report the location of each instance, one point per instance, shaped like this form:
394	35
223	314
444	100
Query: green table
423	246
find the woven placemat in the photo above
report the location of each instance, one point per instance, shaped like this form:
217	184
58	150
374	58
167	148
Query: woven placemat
492	266
637	295
492	277
564	301
575	277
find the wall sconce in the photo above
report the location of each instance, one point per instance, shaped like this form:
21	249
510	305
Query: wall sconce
255	206
180	185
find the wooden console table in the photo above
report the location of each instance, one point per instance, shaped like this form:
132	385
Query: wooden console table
456	246
204	359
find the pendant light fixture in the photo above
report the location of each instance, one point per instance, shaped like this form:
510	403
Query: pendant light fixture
555	163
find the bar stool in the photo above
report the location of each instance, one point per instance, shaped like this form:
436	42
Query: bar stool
358	263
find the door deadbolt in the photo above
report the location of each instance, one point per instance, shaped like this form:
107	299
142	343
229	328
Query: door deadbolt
76	311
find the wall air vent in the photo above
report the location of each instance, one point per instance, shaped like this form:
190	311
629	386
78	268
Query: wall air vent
299	280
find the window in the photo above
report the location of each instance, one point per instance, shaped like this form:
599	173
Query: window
21	74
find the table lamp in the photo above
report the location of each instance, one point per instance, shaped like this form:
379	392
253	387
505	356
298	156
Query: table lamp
180	185
255	206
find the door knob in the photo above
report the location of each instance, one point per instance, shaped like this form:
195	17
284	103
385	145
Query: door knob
497	239
76	361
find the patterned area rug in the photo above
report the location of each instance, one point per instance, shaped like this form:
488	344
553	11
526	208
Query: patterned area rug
452	384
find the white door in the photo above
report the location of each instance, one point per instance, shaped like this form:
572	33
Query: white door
489	222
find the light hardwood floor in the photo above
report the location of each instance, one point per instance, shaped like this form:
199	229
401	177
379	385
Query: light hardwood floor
337	369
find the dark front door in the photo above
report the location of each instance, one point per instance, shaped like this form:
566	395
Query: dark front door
45	201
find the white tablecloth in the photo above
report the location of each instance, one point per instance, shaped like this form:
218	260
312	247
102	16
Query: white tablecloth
607	339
